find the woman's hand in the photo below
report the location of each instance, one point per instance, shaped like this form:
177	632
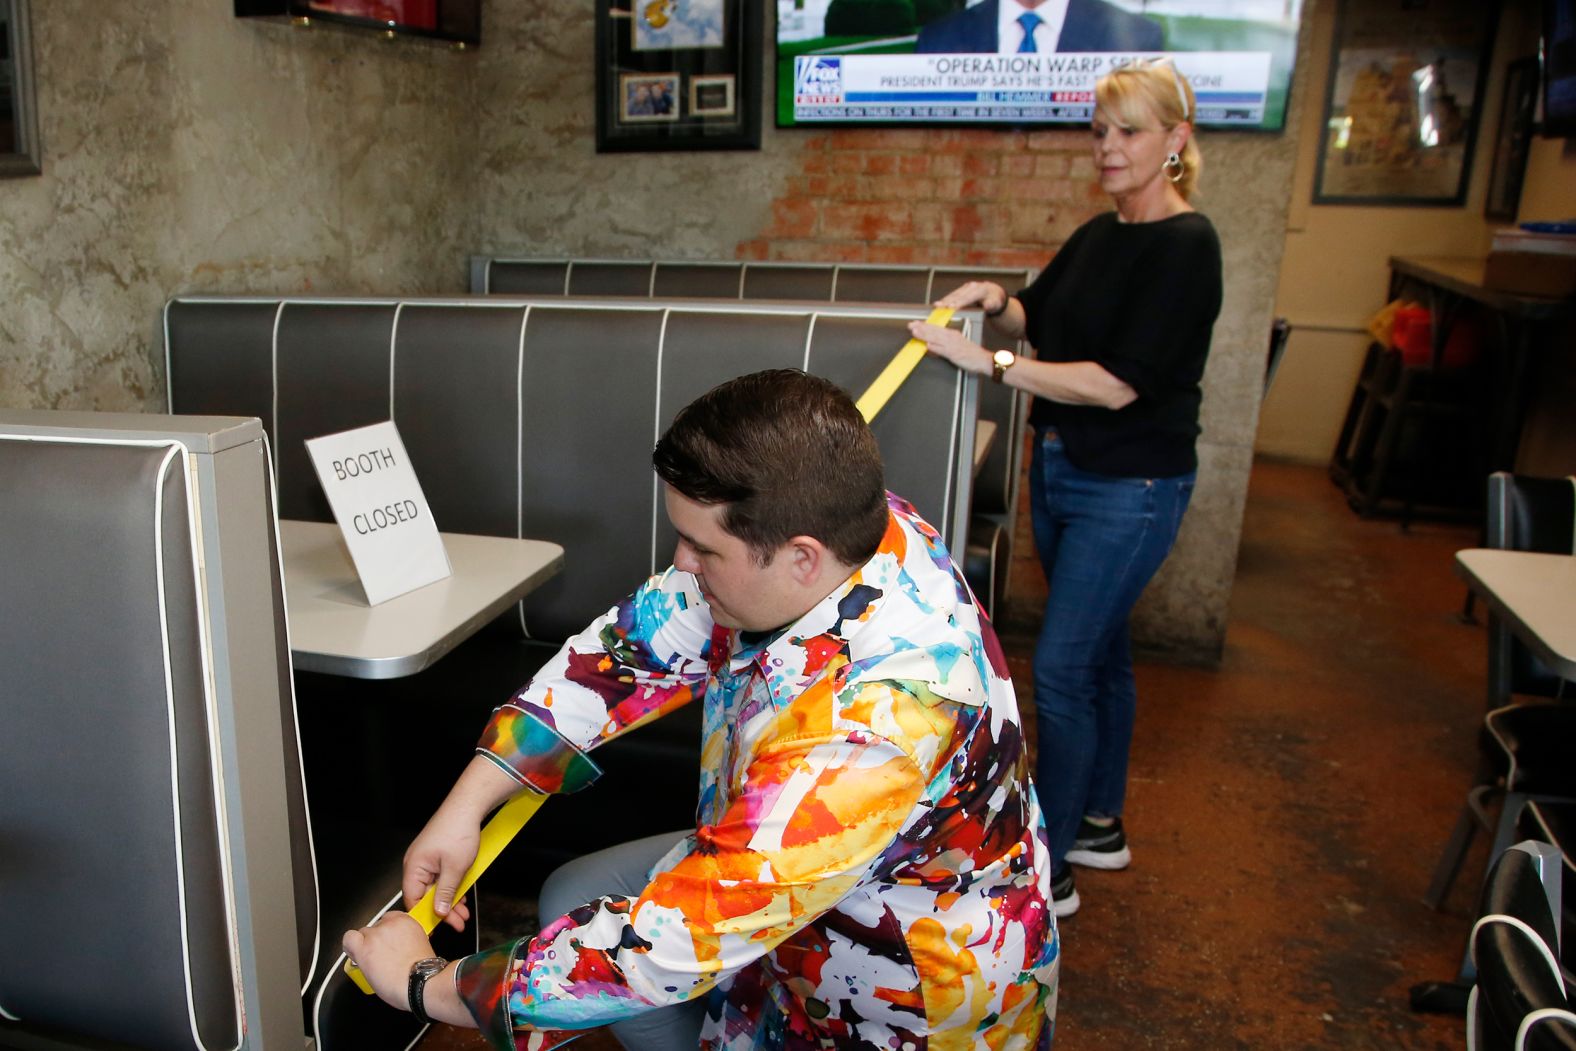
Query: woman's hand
440	855
987	295
385	952
953	345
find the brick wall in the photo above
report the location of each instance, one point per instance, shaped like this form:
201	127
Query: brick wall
964	197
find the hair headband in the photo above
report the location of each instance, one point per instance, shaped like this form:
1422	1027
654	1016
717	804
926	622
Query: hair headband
1176	79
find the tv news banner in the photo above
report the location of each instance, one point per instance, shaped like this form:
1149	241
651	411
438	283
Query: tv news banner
1231	87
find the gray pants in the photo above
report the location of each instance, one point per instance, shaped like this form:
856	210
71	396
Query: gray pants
622	870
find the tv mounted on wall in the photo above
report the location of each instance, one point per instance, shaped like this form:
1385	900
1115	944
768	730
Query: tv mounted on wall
1559	69
959	62
454	21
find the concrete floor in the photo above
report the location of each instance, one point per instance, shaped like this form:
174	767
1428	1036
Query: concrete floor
1286	808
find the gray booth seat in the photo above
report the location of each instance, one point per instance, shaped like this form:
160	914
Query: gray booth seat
987	553
156	823
535	417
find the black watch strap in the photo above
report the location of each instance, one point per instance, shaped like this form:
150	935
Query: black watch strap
415	992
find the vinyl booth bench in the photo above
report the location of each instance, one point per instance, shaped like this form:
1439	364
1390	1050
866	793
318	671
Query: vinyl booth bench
535	417
987	555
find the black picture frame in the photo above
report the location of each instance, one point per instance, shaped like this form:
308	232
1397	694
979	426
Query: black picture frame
20	153
678	75
1402	104
1512	140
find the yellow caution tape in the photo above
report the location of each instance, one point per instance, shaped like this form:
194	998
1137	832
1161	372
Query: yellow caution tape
496	834
874	399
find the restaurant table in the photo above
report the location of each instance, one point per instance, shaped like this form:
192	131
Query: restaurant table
334	631
1534	595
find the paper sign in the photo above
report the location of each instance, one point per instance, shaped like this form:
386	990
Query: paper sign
380	509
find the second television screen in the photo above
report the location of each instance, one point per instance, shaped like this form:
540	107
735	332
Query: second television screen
1024	62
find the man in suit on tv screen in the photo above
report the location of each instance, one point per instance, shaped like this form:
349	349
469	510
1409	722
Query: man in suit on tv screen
1039	26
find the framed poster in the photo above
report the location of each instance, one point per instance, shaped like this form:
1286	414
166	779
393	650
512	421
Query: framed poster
19	152
678	75
1401	112
1512	140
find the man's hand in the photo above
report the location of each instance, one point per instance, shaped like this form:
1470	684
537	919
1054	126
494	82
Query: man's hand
440	856
385	952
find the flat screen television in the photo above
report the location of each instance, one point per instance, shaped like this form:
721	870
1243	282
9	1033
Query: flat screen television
456	21
962	62
1559	69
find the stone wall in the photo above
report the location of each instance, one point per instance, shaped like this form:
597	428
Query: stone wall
187	150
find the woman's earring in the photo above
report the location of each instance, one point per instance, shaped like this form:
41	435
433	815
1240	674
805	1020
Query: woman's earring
1174	167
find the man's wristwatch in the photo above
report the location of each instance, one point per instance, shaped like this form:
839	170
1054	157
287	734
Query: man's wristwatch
1001	361
420	971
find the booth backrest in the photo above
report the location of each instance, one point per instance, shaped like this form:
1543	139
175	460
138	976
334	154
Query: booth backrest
536	417
996	485
156	874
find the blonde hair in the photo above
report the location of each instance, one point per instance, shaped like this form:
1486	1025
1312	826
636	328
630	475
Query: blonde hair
1154	90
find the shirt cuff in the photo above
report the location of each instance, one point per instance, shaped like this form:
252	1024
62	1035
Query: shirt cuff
535	754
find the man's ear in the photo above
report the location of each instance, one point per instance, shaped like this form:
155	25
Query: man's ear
806	558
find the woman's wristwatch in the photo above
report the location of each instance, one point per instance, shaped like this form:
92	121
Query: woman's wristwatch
415	992
1000	362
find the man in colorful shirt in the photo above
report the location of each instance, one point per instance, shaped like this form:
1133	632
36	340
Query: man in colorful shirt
869	865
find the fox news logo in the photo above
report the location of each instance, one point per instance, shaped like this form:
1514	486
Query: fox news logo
819	75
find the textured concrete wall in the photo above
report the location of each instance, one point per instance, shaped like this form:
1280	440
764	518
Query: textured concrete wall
544	190
187	150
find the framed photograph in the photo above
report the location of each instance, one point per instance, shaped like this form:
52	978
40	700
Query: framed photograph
712	96
1401	112
19	150
647	97
1512	140
678	75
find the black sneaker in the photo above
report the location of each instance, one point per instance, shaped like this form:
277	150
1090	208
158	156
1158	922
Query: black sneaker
1095	847
1064	895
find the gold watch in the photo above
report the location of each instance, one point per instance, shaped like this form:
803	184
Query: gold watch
1001	361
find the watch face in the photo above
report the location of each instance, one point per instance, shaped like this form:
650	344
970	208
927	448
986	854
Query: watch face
1005	358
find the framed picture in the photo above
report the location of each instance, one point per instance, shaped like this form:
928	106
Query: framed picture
19	151
678	75
1512	140
1401	112
712	96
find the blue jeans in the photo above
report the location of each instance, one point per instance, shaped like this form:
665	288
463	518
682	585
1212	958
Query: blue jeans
623	870
1100	540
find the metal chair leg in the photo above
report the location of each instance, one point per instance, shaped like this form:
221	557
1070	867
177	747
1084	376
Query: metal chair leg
1474	814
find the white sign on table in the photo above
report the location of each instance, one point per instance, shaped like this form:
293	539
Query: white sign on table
381	510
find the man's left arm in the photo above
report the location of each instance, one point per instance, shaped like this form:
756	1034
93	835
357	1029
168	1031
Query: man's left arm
812	815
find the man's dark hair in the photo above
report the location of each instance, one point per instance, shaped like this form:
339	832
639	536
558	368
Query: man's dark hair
788	455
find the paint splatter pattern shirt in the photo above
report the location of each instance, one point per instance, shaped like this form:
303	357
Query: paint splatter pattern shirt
869	865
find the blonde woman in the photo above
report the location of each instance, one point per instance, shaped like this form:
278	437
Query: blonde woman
1120	320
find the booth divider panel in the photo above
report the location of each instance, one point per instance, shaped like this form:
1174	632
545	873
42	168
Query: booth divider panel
456	382
332	374
104	698
862	285
610	279
220	359
697	280
595	493
917	430
788	282
522	277
704	349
